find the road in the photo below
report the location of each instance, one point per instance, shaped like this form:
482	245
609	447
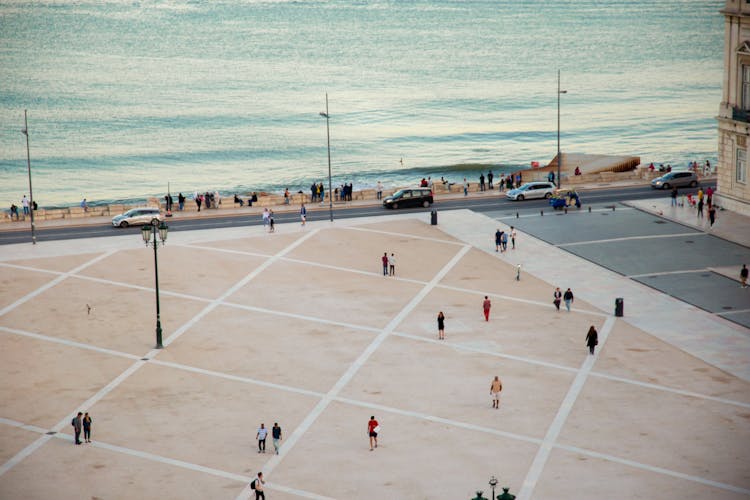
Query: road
484	205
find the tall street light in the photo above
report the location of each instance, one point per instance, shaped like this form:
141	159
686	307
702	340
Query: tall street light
559	156
25	132
159	230
328	136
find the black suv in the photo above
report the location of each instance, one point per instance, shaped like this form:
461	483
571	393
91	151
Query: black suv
416	197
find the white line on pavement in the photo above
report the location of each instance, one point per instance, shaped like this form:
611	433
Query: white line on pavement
630	238
550	439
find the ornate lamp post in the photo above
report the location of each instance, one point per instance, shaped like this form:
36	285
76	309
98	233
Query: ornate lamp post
25	132
328	136
493	483
159	230
559	156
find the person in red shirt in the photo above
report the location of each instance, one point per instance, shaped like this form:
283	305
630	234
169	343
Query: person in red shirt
384	259
486	306
371	426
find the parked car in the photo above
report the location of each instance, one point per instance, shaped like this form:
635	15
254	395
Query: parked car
137	216
415	197
675	179
532	190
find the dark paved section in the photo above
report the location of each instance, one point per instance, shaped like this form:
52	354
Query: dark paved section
645	246
558	228
707	290
659	255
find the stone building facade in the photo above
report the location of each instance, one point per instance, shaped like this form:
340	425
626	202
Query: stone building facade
734	112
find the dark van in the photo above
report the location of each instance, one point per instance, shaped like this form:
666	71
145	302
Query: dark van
416	197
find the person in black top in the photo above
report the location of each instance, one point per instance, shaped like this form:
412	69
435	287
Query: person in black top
568	298
592	339
558	296
743	276
276	435
441	325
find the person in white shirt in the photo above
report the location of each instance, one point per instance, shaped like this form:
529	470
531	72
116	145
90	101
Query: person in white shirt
25	204
392	264
261	437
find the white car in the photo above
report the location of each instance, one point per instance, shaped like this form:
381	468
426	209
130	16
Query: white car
532	190
137	216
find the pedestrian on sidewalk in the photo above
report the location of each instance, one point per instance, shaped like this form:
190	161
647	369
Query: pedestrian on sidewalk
257	485
261	437
568	298
392	264
674	196
513	237
711	214
77	424
86	427
286	196
384	259
504	240
557	295
271	226
481	182
743	276
372	430
466	187
486	305
592	339
276	435
25	205
303	214
266	216
379	189
490	176
498	239
709	195
495	388
700	207
441	325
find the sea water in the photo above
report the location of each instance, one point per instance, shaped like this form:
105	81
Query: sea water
127	99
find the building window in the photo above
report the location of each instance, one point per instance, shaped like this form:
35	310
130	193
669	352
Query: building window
741	173
746	87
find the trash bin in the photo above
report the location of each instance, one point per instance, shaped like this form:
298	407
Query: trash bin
619	306
433	217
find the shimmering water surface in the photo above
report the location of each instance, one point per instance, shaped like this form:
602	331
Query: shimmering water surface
125	97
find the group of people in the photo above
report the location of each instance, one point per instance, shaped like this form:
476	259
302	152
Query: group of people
501	239
268	222
207	199
389	264
27	206
701	199
82	422
559	296
250	199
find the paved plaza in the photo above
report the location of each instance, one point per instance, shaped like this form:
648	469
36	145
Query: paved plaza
300	327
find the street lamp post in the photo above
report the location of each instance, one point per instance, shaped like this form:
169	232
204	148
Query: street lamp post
559	156
328	137
493	483
159	230
25	132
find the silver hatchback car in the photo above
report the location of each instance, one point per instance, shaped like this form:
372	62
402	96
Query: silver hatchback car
137	216
675	179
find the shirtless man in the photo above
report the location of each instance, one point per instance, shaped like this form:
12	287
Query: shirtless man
495	389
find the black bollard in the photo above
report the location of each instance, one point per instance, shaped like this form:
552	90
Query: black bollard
589	209
542	212
516	215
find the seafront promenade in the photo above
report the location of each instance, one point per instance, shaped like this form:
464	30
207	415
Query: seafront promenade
301	328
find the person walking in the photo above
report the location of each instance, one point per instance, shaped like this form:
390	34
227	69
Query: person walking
86	427
490	176
276	435
504	240
495	387
441	325
271	226
392	264
481	181
700	207
257	485
568	298
743	276
266	215
379	190
486	305
592	339
181	201
261	437
384	259
77	424
557	295
498	239
198	200
711	214
513	237
466	187
372	430
674	196
25	205
303	214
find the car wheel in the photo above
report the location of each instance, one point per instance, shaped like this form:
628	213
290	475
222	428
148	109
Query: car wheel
693	184
124	224
548	195
394	205
665	185
520	197
425	203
